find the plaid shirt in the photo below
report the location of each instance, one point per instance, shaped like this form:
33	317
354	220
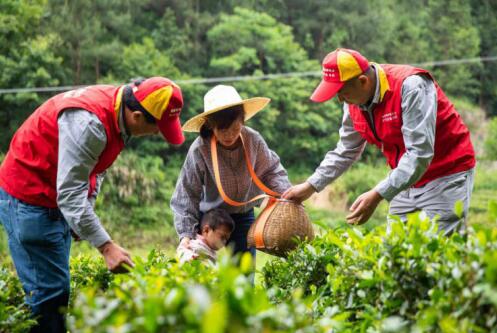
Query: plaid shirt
196	189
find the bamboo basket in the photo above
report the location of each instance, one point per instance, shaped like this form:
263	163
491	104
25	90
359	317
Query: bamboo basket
278	229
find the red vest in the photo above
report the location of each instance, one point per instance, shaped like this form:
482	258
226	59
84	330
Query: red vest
29	170
453	148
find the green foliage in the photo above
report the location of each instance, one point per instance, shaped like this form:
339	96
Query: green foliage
143	60
358	180
27	59
135	197
491	140
14	314
87	271
408	275
93	34
313	128
268	46
486	21
453	35
159	295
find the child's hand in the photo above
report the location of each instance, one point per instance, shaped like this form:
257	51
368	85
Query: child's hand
184	251
185	243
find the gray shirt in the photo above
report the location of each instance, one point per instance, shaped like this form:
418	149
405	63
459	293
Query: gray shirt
419	113
196	189
82	138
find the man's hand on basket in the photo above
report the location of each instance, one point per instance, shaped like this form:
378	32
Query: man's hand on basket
299	193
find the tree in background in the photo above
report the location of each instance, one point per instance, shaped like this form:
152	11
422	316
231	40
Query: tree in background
485	14
93	33
452	34
60	42
27	60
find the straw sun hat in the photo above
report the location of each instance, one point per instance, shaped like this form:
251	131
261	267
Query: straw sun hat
222	97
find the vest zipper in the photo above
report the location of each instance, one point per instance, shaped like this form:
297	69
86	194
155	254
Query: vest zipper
370	120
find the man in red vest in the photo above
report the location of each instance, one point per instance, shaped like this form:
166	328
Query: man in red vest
401	110
52	172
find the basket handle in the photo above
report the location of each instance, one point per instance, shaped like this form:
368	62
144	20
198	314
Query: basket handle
269	193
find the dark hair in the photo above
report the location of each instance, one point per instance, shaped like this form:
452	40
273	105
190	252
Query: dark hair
222	119
215	218
132	103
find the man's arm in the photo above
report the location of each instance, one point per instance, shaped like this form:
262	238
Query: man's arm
349	148
82	139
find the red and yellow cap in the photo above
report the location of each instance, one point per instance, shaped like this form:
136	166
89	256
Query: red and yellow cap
339	66
162	98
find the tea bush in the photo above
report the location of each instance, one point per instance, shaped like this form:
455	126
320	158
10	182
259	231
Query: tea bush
160	295
490	144
14	315
404	278
89	271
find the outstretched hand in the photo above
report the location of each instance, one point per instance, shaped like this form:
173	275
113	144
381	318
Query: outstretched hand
363	207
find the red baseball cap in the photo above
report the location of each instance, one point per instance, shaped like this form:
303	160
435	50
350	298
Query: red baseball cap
339	66
162	98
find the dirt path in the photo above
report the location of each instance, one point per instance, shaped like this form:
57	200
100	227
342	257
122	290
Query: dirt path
328	200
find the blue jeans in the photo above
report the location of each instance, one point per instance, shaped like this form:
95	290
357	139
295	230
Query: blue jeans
238	239
39	242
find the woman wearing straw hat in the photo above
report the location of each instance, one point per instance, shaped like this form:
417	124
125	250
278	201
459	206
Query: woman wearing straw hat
223	132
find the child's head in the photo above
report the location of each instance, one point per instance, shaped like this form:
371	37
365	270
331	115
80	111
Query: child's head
216	227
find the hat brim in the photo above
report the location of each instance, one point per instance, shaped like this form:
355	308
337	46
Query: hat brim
251	106
326	91
171	130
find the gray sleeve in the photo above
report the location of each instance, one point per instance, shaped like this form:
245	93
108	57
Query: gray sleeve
349	148
185	202
98	186
419	115
268	166
82	139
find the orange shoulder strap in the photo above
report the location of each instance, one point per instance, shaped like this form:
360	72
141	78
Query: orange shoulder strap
258	183
261	223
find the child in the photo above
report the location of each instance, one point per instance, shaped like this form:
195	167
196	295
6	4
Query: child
215	229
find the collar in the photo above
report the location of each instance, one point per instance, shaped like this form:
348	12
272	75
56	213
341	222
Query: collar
381	88
383	81
119	110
